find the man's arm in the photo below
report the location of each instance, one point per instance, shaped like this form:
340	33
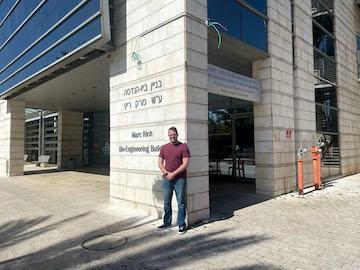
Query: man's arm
183	167
161	166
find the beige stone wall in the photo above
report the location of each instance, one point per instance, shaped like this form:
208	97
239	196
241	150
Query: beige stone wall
167	89
70	139
12	132
304	88
197	110
274	152
347	25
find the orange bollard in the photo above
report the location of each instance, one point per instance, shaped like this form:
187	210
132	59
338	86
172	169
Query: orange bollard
300	177
314	154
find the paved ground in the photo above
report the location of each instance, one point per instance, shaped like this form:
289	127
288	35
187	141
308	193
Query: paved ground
45	219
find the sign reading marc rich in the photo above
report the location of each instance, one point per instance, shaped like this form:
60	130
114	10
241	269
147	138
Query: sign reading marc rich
139	142
227	83
39	38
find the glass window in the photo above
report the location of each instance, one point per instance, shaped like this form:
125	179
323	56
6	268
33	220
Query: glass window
326	119
45	43
41	23
326	21
253	29
227	13
326	96
240	22
231	137
90	31
5	7
324	67
260	5
324	42
19	62
19	14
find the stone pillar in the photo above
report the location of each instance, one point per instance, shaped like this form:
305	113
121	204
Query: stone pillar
274	116
347	27
12	137
70	140
304	85
166	85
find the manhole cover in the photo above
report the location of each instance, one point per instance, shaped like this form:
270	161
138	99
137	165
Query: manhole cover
104	242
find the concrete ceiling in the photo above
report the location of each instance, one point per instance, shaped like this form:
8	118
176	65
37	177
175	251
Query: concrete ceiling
85	88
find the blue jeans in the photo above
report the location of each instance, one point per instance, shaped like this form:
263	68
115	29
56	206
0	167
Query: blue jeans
168	187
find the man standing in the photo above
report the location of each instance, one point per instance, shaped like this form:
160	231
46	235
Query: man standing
173	160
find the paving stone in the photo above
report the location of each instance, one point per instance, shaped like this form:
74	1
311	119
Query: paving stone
46	218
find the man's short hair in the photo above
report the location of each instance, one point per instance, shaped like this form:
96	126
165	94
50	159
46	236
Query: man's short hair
173	129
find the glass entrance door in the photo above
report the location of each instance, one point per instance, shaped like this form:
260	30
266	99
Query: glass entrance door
243	153
231	138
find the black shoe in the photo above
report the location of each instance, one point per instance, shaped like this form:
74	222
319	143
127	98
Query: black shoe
182	230
164	226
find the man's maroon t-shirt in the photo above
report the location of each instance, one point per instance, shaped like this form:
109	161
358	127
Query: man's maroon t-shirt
173	155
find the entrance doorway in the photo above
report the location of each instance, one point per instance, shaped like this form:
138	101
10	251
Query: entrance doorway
231	139
231	152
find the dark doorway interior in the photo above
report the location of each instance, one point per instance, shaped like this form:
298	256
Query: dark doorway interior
96	142
231	151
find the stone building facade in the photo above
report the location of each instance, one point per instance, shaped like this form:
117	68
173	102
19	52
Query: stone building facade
303	54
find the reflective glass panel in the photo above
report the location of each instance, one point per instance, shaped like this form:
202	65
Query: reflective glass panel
90	31
5	7
231	137
326	119
48	35
65	28
253	29
37	27
323	41
240	22
260	5
326	96
326	21
227	13
20	13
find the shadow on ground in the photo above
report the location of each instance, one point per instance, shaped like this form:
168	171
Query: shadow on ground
146	250
43	171
92	170
227	195
14	232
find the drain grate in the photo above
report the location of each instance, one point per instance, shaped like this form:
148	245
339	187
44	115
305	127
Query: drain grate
104	242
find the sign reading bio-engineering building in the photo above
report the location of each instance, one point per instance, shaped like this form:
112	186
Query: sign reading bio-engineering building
227	83
40	39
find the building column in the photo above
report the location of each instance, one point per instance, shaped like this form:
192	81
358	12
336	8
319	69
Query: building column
304	85
12	137
166	86
346	28
274	116
70	140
